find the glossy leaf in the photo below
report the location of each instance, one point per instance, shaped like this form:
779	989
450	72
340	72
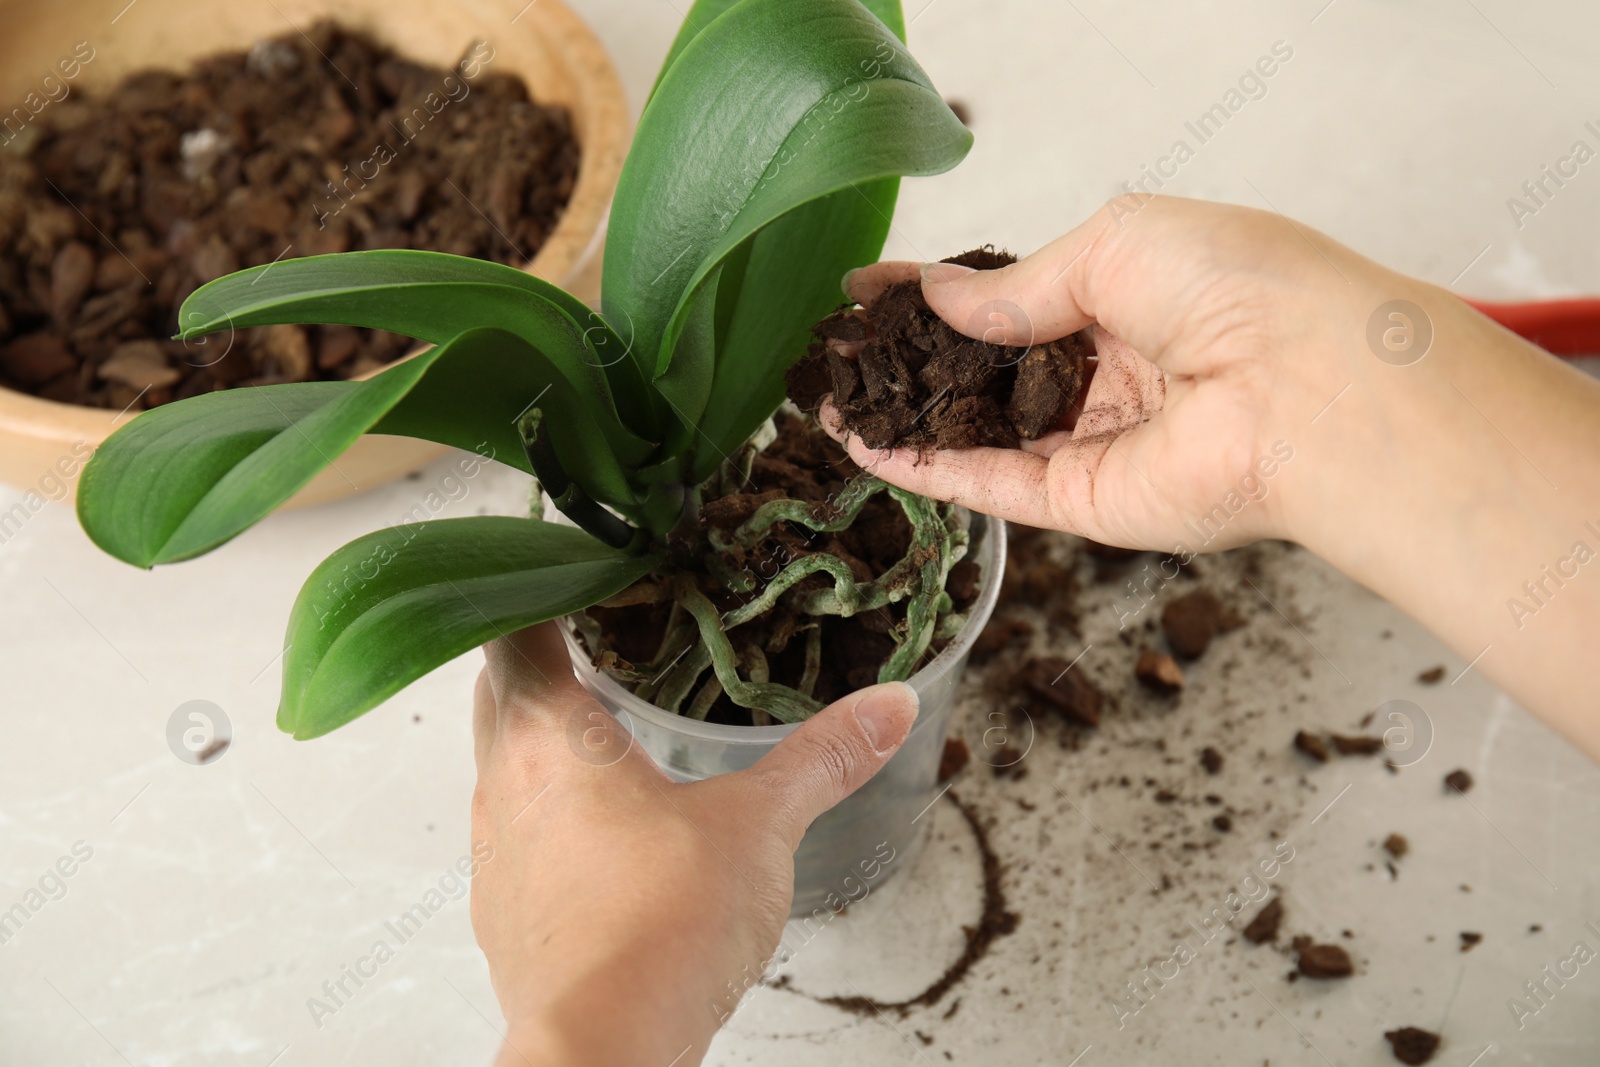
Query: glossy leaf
391	606
771	105
704	12
771	325
183	478
433	297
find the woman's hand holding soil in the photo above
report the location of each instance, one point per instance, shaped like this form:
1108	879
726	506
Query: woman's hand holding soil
1240	394
613	893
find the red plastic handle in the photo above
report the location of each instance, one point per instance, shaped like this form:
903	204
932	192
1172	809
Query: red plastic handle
1564	327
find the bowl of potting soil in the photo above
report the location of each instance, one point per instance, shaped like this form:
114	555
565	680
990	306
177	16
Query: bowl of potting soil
163	150
877	831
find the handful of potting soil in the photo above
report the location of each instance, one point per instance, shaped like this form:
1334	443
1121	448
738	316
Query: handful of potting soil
900	376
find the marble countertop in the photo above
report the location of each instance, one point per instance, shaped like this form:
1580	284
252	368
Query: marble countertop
206	904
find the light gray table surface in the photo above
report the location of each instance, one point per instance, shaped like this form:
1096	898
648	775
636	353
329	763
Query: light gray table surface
216	900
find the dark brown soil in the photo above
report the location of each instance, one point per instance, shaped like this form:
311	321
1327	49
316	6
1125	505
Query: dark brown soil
999	635
1064	691
1322	961
918	383
1264	927
1458	780
121	206
1431	676
1356	745
1396	845
1469	940
1158	671
802	464
1190	622
954	759
1311	745
1411	1045
1211	760
996	921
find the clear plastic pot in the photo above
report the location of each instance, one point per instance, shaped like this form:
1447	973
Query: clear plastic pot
879	829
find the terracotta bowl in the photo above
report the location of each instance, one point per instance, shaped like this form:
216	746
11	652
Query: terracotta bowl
545	43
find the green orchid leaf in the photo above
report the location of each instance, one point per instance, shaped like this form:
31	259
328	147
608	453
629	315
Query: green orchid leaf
183	478
705	12
433	297
771	326
773	104
391	606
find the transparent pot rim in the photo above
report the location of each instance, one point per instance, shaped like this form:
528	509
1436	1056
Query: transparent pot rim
991	557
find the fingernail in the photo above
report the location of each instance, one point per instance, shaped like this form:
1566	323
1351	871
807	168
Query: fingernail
940	273
886	713
844	282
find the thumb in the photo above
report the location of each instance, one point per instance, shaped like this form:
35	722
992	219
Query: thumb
1037	299
832	754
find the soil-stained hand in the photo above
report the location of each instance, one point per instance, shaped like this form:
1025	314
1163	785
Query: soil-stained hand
622	914
1212	351
1276	384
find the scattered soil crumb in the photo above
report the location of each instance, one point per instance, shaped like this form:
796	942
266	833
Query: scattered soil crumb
1211	760
1359	745
1459	780
1158	672
1411	1045
1311	745
1191	621
1068	692
1396	845
1264	927
1432	676
1322	961
1469	940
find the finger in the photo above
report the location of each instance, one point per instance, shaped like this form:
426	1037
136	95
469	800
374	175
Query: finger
528	667
831	755
1039	298
866	284
1004	482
